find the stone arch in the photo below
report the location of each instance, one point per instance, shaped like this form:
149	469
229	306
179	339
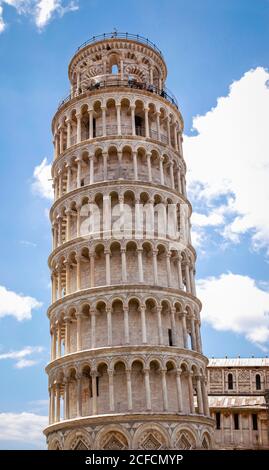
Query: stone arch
78	440
119	366
171	384
137	366
55	444
101	322
184	437
151	319
151	436
117	321
112	437
206	441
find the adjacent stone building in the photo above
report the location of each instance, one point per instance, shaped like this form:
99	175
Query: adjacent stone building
126	355
238	391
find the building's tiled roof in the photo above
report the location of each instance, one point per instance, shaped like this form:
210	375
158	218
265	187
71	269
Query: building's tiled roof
223	401
240	362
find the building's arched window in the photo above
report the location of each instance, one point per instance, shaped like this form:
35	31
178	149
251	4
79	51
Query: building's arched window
258	382
230	382
114	69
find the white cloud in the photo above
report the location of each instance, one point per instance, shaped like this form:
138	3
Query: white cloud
22	363
229	157
46	8
232	302
42	184
202	220
19	356
28	243
42	11
2	23
23	428
17	305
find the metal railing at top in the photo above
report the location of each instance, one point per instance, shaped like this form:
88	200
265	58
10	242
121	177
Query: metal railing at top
118	35
164	92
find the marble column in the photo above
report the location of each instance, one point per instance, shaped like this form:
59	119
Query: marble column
164	389
155	266
78	258
79	394
205	397
111	390
129	389
199	395
192	281
193	334
59	340
94	392
190	386
135	165
173	326
149	167
68	224
158	125
92	280
126	324
67	277
109	326
91	123
58	403
105	155
91	169
133	119
78	116
67	335
147	122
187	277
179	181
140	265
68	138
147	388
93	328
168	268
179	390
123	265
161	170
118	107
184	329
108	277
78	220
79	163
143	323
159	322
104	121
66	398
79	317
171	169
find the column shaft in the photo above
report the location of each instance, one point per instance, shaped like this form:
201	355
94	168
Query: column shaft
164	390
143	323
129	389
126	325
94	393
147	388
179	392
190	385
109	326
159	322
111	390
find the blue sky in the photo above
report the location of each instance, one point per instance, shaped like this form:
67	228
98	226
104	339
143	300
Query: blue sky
217	58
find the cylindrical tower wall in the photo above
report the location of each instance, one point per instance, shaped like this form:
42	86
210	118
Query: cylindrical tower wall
126	369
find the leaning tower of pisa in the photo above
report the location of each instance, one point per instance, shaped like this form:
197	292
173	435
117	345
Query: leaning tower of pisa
126	369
